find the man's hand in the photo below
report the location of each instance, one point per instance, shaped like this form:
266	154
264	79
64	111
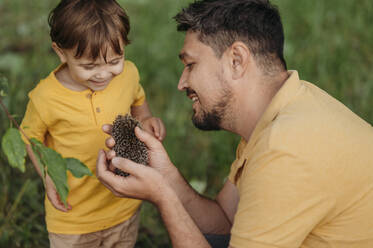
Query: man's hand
158	158
144	182
154	126
53	196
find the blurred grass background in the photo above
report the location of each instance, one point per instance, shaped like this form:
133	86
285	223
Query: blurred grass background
329	42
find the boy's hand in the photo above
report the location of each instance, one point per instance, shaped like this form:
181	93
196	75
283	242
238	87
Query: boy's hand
53	196
154	126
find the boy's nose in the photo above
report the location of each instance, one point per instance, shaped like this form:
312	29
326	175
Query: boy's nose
102	75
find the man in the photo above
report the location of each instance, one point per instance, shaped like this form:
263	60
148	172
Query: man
303	176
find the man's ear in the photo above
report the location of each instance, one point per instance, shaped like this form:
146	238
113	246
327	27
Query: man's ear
60	53
240	57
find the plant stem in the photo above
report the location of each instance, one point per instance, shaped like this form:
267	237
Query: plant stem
12	119
20	129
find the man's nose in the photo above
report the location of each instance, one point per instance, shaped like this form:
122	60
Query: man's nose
182	85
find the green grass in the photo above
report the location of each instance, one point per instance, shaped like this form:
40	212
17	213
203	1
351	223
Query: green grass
328	42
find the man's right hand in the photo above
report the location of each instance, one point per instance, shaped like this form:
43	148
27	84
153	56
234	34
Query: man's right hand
158	157
53	196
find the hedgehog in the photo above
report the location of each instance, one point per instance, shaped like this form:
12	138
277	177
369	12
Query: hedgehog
127	145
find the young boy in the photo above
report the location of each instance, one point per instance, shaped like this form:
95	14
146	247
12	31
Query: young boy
66	110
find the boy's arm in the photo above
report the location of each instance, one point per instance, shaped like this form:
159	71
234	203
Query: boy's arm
48	183
141	112
149	123
33	159
35	127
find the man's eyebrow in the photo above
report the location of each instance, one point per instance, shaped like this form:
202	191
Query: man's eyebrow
184	55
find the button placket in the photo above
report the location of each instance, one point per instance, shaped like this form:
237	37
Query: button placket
91	96
97	108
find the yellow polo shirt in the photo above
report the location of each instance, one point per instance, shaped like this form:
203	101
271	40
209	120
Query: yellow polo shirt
70	123
305	177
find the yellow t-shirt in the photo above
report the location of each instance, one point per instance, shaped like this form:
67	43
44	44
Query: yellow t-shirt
305	177
70	123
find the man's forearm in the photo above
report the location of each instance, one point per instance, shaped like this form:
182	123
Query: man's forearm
206	213
180	226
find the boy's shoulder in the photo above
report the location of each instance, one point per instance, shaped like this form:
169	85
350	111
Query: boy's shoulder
130	68
45	88
129	64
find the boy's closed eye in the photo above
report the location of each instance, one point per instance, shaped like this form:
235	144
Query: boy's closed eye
88	67
114	62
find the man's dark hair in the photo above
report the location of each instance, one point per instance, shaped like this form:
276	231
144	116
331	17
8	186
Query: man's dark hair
89	25
220	23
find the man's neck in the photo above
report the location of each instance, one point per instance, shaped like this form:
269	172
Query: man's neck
253	103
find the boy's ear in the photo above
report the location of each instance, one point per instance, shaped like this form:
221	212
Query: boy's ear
240	57
60	53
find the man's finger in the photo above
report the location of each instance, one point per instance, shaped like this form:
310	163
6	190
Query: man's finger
127	165
107	128
150	141
101	164
103	173
108	178
110	142
110	155
112	167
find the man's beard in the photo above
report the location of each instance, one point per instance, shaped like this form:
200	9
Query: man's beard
208	121
211	120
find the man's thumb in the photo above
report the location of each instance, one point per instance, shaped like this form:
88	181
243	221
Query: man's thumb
150	141
126	165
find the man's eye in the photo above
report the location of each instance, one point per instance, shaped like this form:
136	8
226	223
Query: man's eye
189	66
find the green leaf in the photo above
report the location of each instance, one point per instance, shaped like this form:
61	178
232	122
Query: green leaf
14	148
77	168
198	185
36	148
56	169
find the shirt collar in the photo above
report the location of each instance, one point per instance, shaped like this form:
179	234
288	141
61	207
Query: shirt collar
285	95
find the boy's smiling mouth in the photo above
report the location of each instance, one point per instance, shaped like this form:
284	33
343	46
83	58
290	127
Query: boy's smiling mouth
99	82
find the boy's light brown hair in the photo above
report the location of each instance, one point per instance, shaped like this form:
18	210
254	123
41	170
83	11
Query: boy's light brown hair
90	26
